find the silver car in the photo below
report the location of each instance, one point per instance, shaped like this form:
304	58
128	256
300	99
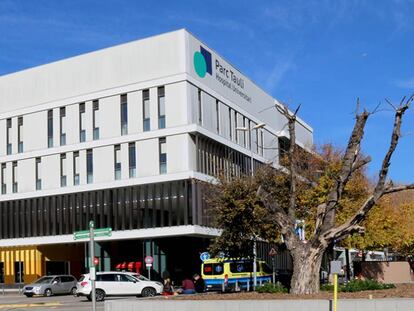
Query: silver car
51	285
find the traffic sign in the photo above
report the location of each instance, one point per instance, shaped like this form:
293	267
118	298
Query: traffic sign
85	234
204	256
149	260
272	252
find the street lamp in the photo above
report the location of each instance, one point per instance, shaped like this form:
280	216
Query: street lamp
245	129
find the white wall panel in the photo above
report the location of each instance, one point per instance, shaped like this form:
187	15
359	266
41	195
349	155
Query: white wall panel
88	121
82	167
72	124
177	153
153	108
56	127
110	114
134	112
124	161
26	175
103	164
3	139
176	104
51	171
148	158
13	135
35	131
8	177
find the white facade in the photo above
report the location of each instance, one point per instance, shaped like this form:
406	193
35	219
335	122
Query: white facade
35	163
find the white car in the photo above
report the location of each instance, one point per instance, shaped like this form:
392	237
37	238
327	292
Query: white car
117	284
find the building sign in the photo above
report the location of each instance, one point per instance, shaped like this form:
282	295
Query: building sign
224	74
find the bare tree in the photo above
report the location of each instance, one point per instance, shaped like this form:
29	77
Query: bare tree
307	256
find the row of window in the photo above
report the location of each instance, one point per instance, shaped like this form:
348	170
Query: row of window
95	120
143	206
132	166
229	123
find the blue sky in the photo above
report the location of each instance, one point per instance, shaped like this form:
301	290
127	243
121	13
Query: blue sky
320	54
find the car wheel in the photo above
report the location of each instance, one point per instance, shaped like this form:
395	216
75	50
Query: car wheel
99	295
48	292
73	291
29	295
148	292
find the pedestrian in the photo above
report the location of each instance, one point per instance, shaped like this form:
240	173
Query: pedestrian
199	284
168	288
187	287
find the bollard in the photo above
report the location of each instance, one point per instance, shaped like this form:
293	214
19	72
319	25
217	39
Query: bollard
222	287
260	282
248	285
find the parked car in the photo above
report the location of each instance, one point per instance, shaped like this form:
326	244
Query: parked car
51	285
117	284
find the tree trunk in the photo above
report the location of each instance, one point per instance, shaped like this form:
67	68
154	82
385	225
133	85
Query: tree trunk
306	267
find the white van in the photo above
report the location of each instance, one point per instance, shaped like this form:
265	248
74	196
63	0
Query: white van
117	284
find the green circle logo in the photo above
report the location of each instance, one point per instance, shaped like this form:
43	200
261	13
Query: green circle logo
200	64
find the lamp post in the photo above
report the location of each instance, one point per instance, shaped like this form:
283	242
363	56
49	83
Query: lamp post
245	129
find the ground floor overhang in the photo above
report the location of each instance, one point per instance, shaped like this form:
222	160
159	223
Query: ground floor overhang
149	233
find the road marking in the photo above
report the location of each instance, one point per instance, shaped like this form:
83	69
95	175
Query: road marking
30	305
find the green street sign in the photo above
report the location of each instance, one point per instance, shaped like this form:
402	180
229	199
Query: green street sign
84	234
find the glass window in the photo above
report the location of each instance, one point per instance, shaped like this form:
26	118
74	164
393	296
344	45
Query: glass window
8	129
95	119
124	115
241	266
76	176
117	158
213	269
217	117
230	125
63	170
163	155
106	277
38	174
20	134
161	107
89	166
62	126
3	178
146	111
50	128
132	160
82	121
14	176
200	108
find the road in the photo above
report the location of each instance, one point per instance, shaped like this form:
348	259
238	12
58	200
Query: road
18	302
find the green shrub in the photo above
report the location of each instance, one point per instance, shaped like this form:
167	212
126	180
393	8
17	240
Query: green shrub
358	285
361	285
272	288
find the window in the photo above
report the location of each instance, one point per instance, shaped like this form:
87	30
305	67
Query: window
38	174
50	128
213	269
106	277
95	119
63	170
241	267
132	160
9	145
117	161
20	134
261	142
161	107
89	166
14	176
236	134
163	155
200	108
146	111
124	115
82	116
76	176
217	117
230	127
284	145
62	118
3	178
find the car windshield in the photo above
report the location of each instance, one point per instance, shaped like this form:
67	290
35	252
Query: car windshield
44	280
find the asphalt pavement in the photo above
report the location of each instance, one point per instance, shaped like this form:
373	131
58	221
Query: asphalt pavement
20	302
